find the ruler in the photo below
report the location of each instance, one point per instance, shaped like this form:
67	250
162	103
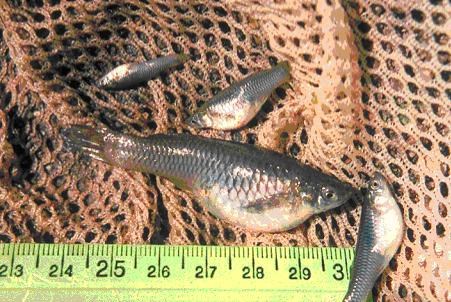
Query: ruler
99	272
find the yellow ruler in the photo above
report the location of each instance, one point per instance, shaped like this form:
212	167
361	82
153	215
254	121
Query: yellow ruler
95	272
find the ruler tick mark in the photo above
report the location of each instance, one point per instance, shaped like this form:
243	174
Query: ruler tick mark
346	266
135	264
206	265
12	261
299	265
253	265
87	258
37	256
111	264
159	262
62	263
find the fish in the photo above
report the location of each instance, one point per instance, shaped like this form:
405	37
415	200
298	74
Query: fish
245	185
380	235
132	75
235	106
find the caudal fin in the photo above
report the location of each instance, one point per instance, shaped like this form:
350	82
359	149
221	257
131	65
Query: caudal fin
284	69
88	140
183	57
285	65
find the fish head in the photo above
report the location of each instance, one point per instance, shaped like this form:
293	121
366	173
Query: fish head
328	192
377	190
104	82
113	78
199	120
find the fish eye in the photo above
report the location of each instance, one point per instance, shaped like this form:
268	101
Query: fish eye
328	193
374	185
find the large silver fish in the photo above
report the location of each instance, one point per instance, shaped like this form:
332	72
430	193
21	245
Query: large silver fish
132	75
236	105
255	188
380	234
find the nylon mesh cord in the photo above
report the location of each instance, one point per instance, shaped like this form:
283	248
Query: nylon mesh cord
370	91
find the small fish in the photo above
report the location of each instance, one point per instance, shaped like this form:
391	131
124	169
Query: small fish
132	75
380	234
235	106
255	188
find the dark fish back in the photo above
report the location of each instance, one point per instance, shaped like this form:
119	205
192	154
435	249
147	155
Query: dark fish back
173	154
259	84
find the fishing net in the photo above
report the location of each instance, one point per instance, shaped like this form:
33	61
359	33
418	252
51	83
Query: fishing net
370	91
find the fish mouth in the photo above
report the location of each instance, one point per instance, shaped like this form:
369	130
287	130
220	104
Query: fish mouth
101	83
348	193
194	121
378	176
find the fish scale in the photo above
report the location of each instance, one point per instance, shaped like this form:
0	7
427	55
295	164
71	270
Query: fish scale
221	174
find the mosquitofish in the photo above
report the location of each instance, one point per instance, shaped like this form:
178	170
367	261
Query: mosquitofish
132	75
235	106
252	187
380	235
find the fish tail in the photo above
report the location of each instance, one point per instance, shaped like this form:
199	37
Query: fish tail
90	141
183	57
286	69
285	65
